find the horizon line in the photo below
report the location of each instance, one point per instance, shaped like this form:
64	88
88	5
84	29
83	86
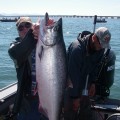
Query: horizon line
59	15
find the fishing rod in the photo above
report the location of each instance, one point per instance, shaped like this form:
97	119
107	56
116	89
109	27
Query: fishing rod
95	20
103	62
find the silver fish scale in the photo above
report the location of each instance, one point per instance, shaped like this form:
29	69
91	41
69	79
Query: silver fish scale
51	74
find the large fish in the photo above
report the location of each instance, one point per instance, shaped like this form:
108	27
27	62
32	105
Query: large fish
51	68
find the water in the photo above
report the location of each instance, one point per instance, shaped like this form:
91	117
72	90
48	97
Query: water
71	28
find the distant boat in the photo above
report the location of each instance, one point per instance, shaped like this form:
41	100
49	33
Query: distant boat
96	20
8	20
101	20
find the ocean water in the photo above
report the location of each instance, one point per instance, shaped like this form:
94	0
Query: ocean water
71	28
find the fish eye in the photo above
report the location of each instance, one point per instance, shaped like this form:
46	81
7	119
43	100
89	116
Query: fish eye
56	28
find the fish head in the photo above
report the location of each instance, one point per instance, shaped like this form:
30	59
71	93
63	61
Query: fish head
46	18
57	29
50	32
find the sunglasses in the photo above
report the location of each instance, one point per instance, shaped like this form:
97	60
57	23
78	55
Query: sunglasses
26	25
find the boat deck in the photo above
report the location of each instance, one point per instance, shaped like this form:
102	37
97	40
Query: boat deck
7	96
7	91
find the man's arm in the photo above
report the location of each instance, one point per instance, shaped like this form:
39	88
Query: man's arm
75	72
20	52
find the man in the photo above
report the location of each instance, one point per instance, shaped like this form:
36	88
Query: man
22	52
86	71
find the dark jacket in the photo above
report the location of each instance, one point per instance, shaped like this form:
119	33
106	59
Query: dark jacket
83	61
20	51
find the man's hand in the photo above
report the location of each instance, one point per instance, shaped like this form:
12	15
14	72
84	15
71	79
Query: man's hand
36	27
92	91
50	22
76	104
36	30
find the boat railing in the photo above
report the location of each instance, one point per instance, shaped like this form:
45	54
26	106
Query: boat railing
8	91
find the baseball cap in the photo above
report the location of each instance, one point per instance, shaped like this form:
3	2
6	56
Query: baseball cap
104	36
23	19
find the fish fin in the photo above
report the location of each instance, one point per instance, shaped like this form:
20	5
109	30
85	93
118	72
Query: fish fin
46	18
41	52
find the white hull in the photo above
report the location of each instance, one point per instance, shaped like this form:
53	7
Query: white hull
101	109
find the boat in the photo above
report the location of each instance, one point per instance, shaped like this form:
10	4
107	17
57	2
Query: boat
104	109
101	108
8	20
7	96
98	20
102	20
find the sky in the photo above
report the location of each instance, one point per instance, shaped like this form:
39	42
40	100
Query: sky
61	7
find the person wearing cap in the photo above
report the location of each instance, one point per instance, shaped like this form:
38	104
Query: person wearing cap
22	52
87	76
